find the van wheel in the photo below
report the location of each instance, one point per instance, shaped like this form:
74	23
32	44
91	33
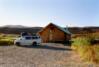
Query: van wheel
17	43
34	44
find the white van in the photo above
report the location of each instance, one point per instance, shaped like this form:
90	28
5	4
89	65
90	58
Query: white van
27	40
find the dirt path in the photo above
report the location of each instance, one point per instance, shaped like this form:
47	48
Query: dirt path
46	55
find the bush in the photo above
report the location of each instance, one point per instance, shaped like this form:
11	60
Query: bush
80	42
7	39
96	49
6	42
87	53
95	35
83	46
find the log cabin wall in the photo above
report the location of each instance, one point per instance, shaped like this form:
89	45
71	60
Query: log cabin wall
53	34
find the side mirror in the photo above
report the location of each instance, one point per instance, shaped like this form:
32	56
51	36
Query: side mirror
20	39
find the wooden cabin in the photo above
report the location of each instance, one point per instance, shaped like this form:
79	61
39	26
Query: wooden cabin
54	33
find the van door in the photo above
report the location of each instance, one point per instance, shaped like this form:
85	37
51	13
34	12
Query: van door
28	40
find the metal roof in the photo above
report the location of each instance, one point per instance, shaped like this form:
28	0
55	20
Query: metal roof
62	29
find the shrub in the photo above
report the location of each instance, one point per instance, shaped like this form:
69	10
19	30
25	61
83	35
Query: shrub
6	42
87	53
7	39
80	42
96	49
83	46
95	35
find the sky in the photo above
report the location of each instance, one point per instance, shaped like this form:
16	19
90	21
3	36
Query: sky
42	12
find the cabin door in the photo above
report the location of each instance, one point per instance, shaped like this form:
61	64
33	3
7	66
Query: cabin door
50	35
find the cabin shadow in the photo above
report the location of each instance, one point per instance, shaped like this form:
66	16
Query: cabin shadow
65	43
47	47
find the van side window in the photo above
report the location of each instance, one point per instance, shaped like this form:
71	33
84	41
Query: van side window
34	37
27	38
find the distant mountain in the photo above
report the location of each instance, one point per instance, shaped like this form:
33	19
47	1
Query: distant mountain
17	29
14	26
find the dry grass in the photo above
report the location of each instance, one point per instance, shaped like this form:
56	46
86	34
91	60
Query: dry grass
7	39
87	51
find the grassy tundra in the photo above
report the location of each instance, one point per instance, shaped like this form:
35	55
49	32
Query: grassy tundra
82	44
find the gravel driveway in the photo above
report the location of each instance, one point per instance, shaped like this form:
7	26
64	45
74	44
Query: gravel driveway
45	55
